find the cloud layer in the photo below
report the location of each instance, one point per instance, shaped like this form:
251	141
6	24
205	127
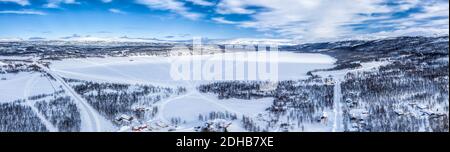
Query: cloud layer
297	19
171	5
23	12
20	2
323	19
320	19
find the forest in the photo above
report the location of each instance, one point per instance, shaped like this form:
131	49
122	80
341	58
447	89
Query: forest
409	95
295	102
17	117
123	104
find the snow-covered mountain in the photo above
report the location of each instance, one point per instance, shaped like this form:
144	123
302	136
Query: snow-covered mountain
250	41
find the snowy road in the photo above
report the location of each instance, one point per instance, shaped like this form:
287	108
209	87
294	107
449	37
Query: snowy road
337	121
338	77
90	118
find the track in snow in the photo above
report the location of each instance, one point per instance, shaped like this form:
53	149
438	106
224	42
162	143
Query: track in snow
88	114
50	127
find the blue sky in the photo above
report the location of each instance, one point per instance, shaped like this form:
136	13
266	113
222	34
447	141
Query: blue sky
182	19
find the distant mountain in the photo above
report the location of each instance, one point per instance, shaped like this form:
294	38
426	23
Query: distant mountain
415	44
385	44
249	41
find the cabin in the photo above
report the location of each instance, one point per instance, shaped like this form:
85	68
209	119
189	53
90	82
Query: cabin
436	115
422	107
329	81
139	128
399	112
324	117
124	118
140	109
161	124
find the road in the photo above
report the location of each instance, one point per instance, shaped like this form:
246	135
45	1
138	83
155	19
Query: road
89	116
337	97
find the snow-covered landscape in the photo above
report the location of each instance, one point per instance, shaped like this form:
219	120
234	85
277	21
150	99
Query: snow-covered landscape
231	75
324	87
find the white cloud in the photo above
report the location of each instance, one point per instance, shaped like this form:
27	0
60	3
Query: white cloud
20	2
171	5
23	12
201	2
233	7
300	19
106	1
325	19
434	19
314	19
56	3
223	20
433	10
116	11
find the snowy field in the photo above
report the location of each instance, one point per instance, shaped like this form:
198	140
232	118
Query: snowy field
156	70
204	104
114	89
23	85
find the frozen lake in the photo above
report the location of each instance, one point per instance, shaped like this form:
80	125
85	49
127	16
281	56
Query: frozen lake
168	71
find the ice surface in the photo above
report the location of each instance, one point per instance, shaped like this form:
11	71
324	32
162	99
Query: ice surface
157	70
